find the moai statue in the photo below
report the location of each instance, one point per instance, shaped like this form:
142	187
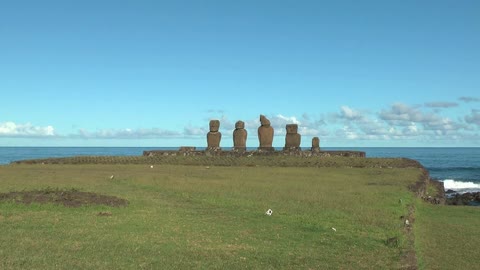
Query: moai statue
240	137
315	144
214	137
292	139
265	134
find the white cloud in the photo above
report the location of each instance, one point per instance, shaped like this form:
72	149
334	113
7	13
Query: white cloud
225	123
399	122
441	104
404	115
349	113
11	129
348	133
473	117
195	131
469	99
411	130
373	126
126	133
306	125
279	121
307	131
443	125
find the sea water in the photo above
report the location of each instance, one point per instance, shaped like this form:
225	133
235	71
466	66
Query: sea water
458	168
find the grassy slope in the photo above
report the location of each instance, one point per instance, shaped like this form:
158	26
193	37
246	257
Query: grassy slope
194	217
268	161
447	237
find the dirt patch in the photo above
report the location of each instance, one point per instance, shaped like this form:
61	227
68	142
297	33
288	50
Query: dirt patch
408	255
67	198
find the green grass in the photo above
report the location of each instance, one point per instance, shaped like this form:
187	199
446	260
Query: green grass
431	189
447	237
259	160
185	217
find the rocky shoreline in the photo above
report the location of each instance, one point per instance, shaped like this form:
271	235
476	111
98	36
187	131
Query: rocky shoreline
469	198
451	197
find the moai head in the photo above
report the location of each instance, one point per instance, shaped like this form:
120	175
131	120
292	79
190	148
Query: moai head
292	128
264	121
214	125
315	142
239	125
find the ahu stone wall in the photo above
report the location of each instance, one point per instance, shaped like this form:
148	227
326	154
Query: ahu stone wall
265	147
191	151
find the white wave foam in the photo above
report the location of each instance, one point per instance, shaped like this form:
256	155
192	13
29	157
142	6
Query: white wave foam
460	186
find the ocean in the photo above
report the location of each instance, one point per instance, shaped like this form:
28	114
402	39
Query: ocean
458	168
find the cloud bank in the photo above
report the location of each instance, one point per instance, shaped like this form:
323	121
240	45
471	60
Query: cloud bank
441	104
432	122
127	133
469	99
11	129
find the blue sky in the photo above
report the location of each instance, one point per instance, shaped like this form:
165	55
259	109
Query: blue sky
153	73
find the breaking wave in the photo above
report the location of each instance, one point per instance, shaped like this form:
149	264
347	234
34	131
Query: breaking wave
461	186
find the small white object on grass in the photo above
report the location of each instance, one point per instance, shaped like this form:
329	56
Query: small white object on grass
407	223
151	166
334	229
269	212
111	177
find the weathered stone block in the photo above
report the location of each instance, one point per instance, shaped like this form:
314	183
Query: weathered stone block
265	133
315	144
214	137
292	139
240	136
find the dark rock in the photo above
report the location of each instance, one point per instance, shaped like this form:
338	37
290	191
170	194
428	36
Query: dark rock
469	198
104	214
187	148
392	242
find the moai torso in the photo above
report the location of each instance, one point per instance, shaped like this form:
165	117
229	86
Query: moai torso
292	139
265	133
315	144
240	136
214	137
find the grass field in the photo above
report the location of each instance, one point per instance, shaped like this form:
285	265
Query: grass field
447	237
184	217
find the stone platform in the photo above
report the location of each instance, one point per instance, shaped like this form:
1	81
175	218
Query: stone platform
191	151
